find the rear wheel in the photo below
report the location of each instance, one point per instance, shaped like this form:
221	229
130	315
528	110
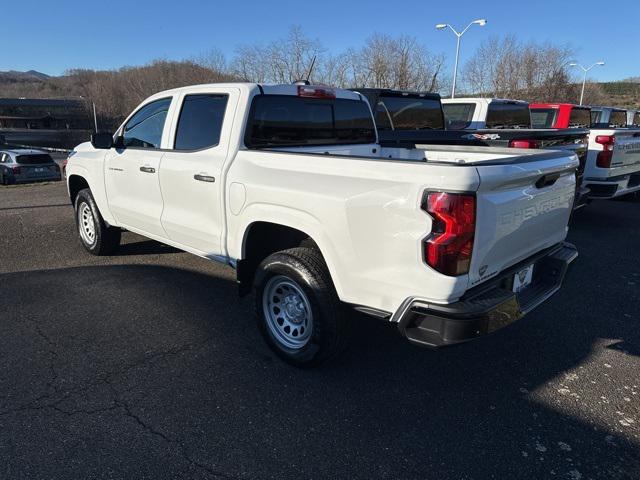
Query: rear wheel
96	236
297	308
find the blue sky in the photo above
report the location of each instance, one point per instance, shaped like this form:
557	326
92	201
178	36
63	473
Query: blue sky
54	36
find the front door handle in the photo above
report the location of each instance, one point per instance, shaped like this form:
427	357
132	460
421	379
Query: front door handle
204	178
148	169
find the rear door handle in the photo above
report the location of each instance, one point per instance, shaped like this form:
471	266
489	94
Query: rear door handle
204	178
148	169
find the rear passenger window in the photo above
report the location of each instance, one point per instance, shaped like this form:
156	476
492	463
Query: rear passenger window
144	129
200	121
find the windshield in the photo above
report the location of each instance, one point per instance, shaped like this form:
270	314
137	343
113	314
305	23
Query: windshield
508	115
34	159
287	121
406	113
543	117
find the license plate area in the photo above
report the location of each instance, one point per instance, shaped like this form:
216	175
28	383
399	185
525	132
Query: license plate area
522	279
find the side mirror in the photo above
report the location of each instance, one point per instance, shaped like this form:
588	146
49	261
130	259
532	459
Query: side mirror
102	140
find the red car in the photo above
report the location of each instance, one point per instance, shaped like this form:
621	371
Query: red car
559	115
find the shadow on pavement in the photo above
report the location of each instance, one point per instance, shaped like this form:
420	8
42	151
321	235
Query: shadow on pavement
145	247
160	372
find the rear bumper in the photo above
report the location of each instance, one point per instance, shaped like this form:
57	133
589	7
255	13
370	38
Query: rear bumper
487	307
611	187
41	178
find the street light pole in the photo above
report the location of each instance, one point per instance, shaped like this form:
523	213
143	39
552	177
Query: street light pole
455	67
584	78
441	26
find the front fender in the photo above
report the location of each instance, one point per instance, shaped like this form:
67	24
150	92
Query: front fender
92	173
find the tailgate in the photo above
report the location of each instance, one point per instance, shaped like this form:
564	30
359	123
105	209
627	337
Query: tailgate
522	208
626	150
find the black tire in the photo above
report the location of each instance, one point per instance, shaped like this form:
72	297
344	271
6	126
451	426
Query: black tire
330	326
105	238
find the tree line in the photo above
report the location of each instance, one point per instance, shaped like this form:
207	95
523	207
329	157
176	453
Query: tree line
500	66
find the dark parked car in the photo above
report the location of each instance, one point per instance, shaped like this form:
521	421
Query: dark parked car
27	165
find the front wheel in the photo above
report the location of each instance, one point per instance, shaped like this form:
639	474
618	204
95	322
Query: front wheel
96	236
297	308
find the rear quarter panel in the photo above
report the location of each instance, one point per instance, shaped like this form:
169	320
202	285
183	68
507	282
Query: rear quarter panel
364	215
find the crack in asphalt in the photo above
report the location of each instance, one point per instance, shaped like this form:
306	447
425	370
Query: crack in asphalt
104	379
117	402
180	448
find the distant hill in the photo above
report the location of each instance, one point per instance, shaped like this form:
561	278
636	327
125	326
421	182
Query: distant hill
625	93
13	76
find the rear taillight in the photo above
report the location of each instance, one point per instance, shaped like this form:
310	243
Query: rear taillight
449	247
16	170
603	160
310	91
524	144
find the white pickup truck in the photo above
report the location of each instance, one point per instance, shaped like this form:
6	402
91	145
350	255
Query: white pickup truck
613	163
288	185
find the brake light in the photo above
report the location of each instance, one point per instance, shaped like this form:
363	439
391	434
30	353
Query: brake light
524	144
16	170
603	160
449	247
310	91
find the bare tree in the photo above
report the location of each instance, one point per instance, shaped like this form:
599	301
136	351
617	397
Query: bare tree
388	62
383	61
281	61
505	67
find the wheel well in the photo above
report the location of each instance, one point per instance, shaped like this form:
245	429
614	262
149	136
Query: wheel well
261	240
76	183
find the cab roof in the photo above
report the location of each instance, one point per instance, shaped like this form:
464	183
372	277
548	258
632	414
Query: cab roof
481	100
256	88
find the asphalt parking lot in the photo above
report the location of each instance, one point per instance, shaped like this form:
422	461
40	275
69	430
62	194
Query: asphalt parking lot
146	364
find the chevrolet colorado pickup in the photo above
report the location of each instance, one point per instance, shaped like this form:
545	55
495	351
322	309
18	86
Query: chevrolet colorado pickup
409	118
612	167
289	185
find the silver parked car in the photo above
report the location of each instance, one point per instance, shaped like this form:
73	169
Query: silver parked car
27	165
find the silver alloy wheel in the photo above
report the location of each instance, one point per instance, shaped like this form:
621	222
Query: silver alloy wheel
287	311
86	224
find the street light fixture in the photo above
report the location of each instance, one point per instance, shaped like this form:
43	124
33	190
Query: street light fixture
441	26
584	78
